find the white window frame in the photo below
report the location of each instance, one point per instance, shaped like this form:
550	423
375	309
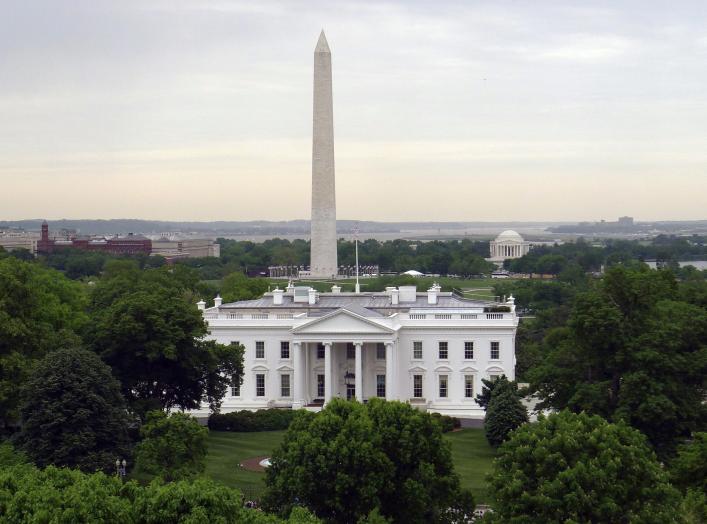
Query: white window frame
380	355
473	386
439	350
498	349
422	353
289	385
466	357
282	348
264	385
257	349
378	384
443	378
422	385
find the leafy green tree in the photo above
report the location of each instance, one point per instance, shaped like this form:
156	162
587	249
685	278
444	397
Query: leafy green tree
505	413
237	286
73	413
689	467
40	310
488	387
172	447
631	351
579	468
350	459
147	328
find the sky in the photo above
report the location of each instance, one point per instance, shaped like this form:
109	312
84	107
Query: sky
443	110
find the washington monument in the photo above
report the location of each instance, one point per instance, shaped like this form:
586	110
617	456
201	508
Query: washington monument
323	262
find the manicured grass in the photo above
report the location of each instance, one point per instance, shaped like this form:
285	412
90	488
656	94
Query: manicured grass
471	454
228	449
472	458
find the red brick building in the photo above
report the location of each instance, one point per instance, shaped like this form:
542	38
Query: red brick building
127	245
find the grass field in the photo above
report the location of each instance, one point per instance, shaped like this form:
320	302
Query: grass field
471	454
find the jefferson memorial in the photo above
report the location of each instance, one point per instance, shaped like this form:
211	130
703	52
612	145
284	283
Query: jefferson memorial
303	347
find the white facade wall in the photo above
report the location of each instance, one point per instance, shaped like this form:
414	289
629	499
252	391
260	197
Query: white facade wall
342	327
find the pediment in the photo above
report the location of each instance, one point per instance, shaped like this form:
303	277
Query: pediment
342	321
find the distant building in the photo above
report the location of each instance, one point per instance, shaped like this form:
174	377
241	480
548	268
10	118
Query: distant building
175	248
126	245
625	221
508	244
13	239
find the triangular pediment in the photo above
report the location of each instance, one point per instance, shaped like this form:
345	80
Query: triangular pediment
344	322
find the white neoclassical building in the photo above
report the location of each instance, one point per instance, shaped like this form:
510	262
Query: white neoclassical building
508	244
303	347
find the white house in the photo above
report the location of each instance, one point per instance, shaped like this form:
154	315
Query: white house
303	347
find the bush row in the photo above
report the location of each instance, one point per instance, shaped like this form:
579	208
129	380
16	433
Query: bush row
448	423
246	421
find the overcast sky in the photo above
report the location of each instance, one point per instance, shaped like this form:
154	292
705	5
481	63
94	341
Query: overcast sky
443	110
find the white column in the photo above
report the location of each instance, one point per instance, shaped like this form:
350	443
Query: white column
359	372
328	372
300	375
390	362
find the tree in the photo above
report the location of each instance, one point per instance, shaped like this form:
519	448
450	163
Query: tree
173	447
237	286
40	310
689	467
148	329
487	388
631	351
505	413
579	468
73	413
351	458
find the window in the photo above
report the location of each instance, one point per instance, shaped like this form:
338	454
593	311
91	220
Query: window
284	385
284	350
320	386
469	350
260	349
495	350
443	386
235	387
320	350
443	350
417	350
494	377
468	386
380	351
350	350
380	386
417	386
260	385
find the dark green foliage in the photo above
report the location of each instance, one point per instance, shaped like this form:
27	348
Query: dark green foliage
487	388
504	413
66	496
40	310
579	468
447	423
237	286
689	467
631	351
351	458
9	456
173	446
147	328
246	421
73	413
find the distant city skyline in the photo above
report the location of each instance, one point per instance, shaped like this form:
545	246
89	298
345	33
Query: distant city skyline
444	111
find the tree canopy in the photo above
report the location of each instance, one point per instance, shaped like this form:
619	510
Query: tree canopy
351	458
40	310
504	413
173	446
631	351
146	326
579	468
73	413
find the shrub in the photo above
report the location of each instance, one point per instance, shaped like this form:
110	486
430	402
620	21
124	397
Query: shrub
248	421
446	422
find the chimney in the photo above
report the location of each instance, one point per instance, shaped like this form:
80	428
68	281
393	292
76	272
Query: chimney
218	301
312	296
432	295
335	289
408	293
394	296
277	296
201	305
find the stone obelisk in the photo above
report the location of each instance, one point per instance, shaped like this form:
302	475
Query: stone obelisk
323	262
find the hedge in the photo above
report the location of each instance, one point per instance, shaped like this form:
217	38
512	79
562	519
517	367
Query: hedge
247	421
448	423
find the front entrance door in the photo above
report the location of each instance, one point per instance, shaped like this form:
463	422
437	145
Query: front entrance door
350	391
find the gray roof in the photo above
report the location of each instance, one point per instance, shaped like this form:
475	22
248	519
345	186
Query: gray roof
364	304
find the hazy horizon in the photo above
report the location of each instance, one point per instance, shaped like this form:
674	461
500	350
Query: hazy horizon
190	110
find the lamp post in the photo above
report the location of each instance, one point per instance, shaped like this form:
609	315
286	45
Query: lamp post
120	468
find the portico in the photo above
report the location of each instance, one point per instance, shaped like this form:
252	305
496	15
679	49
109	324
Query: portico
342	354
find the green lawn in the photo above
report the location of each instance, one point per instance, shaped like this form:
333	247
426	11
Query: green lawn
472	458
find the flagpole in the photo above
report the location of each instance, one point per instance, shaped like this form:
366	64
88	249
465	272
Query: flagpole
358	287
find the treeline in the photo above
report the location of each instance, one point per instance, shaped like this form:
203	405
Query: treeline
580	256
